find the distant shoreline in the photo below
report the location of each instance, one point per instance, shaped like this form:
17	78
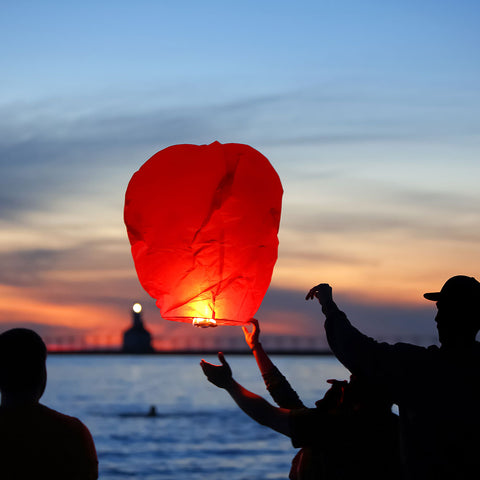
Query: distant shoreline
190	352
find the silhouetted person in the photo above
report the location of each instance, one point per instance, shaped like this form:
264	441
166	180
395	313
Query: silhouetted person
37	442
364	431
152	411
351	433
436	389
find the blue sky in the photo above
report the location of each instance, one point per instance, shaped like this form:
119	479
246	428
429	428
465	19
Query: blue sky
367	110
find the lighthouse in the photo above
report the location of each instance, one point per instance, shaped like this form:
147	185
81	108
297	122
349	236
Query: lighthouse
137	339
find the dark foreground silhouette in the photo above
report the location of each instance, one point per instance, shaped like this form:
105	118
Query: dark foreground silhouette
352	432
37	442
437	389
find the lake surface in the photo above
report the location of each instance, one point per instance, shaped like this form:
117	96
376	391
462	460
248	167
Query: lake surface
198	433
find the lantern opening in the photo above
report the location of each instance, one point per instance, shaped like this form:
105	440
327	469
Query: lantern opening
204	322
137	308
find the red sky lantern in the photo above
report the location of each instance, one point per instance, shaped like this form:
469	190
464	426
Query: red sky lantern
202	221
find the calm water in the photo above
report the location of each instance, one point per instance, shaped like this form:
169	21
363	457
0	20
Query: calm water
198	434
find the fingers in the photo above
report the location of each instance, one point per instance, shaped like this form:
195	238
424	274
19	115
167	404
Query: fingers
255	328
310	294
321	287
254	323
204	366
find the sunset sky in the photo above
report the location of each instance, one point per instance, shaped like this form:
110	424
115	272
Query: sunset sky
369	112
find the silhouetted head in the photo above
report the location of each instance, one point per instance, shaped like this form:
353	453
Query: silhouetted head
22	364
458	304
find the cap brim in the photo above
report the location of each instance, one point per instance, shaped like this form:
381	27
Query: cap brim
435	296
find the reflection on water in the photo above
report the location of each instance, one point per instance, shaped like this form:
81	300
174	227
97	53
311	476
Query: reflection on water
197	433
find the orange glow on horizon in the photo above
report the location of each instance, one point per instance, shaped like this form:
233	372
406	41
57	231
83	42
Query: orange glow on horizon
15	305
99	341
396	268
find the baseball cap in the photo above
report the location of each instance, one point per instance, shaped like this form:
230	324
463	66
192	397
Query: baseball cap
458	288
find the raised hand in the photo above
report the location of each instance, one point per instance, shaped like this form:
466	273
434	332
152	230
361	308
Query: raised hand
252	338
219	375
323	292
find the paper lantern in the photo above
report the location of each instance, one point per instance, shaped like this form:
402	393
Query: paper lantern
202	221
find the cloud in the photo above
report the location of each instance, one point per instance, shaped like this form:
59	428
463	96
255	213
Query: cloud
364	206
93	285
97	274
61	146
65	166
36	133
45	330
49	154
26	268
11	202
448	227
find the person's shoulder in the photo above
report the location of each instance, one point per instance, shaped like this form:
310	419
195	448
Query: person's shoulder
61	419
411	349
408	357
306	413
303	411
73	439
50	412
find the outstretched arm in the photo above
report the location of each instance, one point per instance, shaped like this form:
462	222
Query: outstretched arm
324	293
253	405
252	339
347	343
361	354
277	385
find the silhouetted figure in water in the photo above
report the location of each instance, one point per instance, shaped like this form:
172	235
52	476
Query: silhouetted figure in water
351	434
152	412
437	389
37	442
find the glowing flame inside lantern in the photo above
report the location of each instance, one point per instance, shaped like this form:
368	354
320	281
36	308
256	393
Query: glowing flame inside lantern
137	308
206	319
204	322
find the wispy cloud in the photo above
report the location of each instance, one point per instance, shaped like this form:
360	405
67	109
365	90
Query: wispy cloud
65	169
51	149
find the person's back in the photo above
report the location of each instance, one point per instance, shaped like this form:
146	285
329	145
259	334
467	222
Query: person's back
351	433
37	442
438	393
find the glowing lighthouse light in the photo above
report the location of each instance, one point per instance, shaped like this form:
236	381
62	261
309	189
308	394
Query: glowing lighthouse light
137	308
